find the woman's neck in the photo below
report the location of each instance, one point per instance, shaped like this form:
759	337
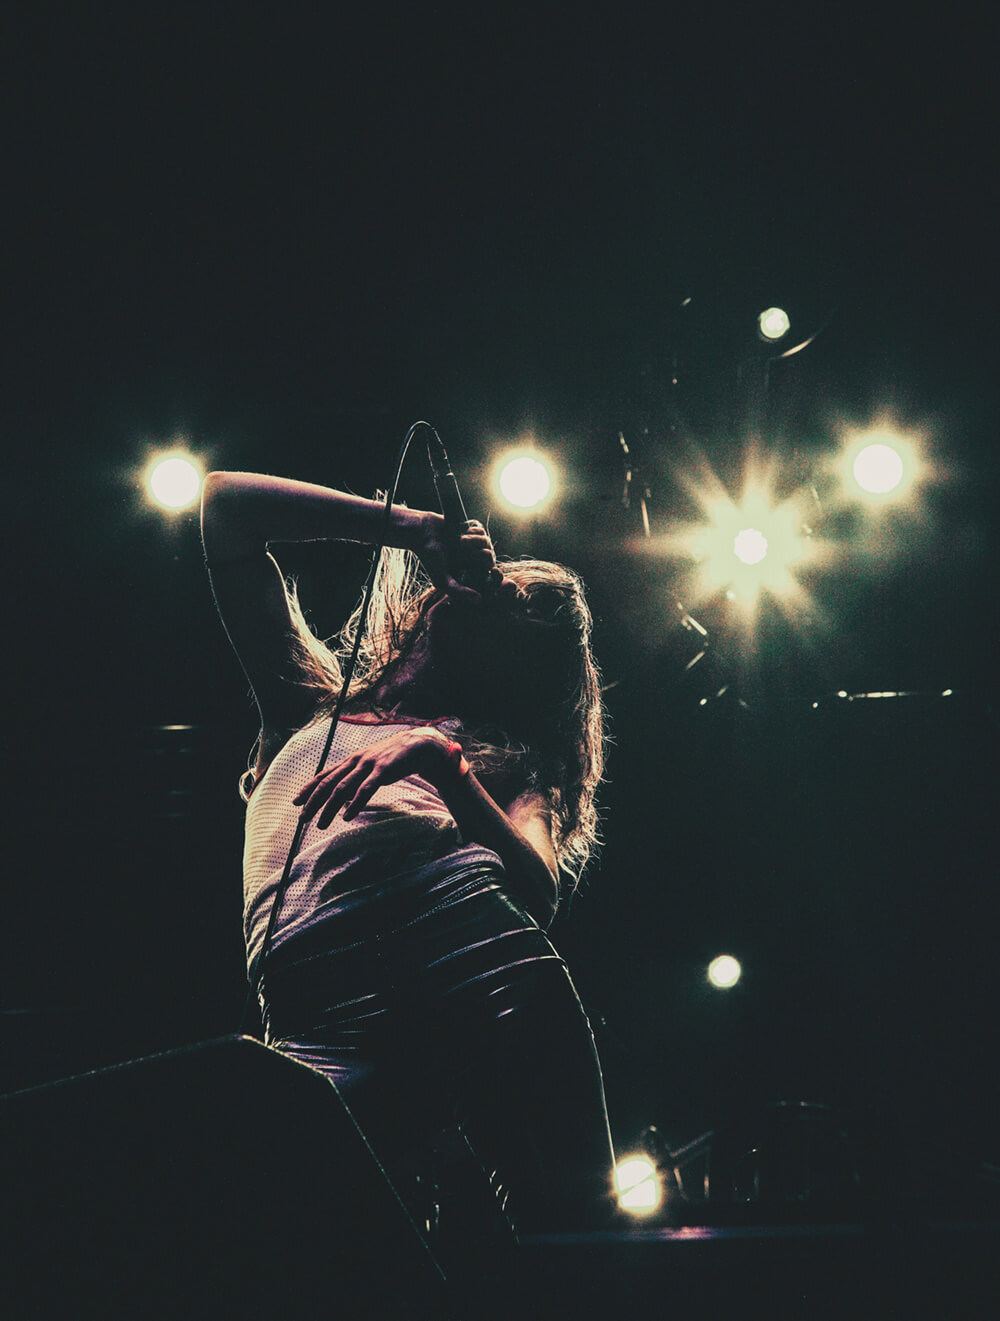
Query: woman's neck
410	689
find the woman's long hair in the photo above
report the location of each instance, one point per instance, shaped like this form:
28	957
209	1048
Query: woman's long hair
551	740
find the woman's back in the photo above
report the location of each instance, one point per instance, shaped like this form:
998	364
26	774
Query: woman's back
405	825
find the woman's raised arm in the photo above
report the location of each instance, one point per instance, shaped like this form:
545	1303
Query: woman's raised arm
242	514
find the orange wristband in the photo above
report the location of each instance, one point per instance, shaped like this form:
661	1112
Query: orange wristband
456	756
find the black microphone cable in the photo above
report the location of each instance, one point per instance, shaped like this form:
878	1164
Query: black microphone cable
253	991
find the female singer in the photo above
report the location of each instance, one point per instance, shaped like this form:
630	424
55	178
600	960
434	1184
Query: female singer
408	960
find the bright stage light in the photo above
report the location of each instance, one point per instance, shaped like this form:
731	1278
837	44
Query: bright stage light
637	1183
174	480
524	480
879	467
724	972
743	548
750	547
773	323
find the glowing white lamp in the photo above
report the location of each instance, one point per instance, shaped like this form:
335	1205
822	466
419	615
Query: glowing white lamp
637	1184
773	323
724	971
174	481
750	545
747	548
881	466
525	481
878	469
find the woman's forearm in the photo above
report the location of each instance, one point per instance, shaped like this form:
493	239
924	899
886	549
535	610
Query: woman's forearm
531	880
243	512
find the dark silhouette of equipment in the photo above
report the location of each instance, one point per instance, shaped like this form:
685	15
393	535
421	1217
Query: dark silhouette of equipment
225	1181
219	1180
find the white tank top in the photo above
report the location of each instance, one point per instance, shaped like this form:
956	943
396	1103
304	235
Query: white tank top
403	826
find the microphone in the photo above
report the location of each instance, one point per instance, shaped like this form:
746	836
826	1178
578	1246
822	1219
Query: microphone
456	520
446	485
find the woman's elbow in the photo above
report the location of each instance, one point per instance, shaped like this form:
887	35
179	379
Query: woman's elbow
215	486
212	487
226	529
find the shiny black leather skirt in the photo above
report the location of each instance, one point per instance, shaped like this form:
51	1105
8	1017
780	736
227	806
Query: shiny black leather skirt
443	1003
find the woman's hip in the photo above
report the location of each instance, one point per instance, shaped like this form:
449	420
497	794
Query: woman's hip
458	939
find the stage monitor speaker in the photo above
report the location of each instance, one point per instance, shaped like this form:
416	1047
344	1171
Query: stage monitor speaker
219	1180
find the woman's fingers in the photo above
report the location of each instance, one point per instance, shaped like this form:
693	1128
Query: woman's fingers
351	783
322	788
326	779
348	788
306	790
331	773
362	796
446	558
477	545
342	793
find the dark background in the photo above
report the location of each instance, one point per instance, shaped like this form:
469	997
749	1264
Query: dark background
283	233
